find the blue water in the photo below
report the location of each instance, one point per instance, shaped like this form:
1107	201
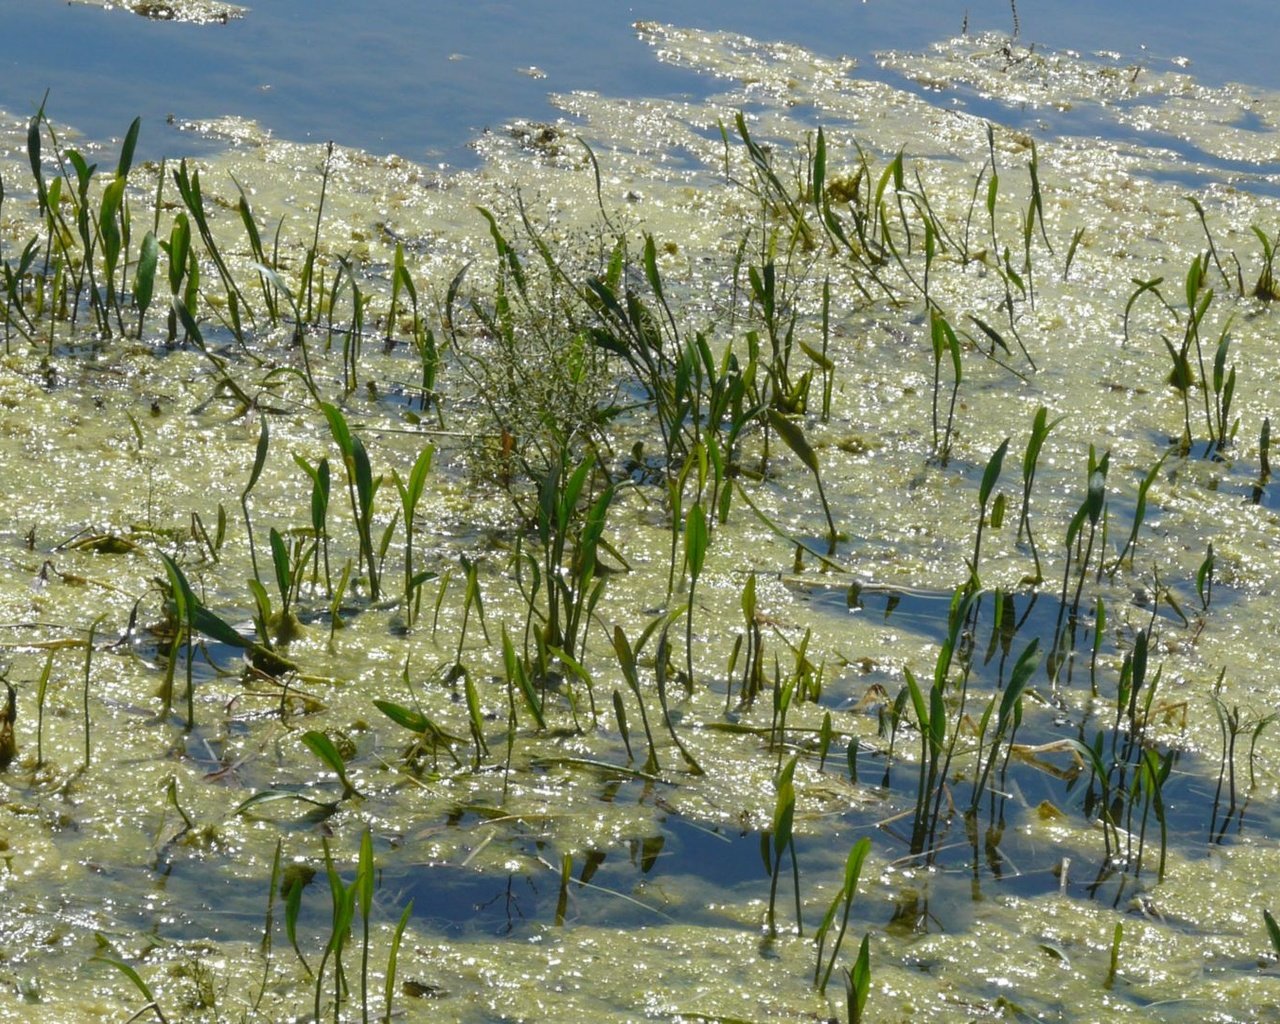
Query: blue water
422	78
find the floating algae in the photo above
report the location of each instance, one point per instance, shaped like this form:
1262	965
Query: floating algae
556	872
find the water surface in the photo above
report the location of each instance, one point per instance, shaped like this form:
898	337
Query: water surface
422	79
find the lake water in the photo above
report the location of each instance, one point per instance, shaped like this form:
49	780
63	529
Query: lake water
421	79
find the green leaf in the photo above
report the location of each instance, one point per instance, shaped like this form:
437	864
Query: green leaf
572	491
651	266
784	811
279	284
418	478
204	621
819	169
937	719
338	428
695	539
280	560
517	676
992	472
794	438
859	983
33	155
200	618
393	957
179	246
365	874
626	659
1273	931
144	280
414	721
270	796
473	710
505	253
824	362
917	700
1180	376
259	458
1022	672
126	150
1097	495
323	747
363	476
620	713
1194	275
129	973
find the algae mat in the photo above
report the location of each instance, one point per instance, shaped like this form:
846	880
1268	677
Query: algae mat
637	699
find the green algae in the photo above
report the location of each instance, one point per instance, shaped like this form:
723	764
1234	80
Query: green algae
84	452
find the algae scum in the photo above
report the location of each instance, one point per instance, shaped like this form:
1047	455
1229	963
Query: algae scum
612	583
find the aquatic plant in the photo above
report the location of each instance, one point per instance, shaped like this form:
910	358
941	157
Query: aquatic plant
1117	936
798	443
362	487
599	397
843	897
1265	288
410	495
945	342
188	183
106	954
858	983
779	840
630	672
1040	428
752	681
1007	718
320	488
42	689
990	476
1222	427
1139	514
327	751
570	530
932	720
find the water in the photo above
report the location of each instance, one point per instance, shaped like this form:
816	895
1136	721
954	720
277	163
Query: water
423	79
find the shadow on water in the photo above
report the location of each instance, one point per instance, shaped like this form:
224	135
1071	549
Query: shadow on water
1082	788
634	882
1088	790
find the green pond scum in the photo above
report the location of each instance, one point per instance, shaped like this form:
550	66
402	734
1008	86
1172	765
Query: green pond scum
807	554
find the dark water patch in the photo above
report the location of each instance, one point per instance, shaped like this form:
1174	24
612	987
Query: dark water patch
680	867
1088	769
